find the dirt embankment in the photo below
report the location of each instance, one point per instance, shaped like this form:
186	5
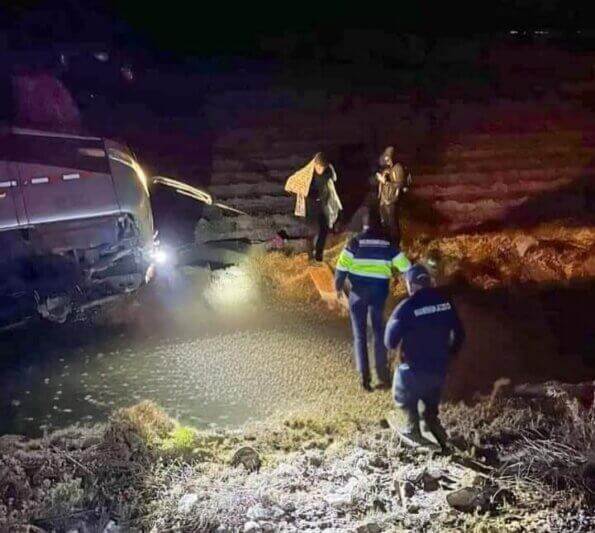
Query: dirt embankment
548	254
521	467
524	296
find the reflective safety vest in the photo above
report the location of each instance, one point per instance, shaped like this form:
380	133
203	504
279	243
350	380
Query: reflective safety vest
370	258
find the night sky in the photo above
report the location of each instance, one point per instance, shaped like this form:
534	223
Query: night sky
249	30
173	47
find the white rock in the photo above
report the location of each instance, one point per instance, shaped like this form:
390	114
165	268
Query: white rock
344	495
337	499
186	503
258	512
251	527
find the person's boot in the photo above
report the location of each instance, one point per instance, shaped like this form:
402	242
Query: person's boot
410	426
383	385
366	385
384	378
433	426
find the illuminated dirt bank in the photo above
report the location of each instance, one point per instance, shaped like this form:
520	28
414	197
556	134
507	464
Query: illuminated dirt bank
333	462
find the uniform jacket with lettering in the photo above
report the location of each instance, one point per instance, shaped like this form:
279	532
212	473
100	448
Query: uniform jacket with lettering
369	259
429	328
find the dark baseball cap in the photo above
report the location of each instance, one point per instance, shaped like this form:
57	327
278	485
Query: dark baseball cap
419	275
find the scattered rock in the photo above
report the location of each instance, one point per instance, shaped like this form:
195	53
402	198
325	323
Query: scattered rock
289	507
429	483
343	496
468	500
314	458
251	527
486	498
406	488
186	503
337	499
413	509
248	457
378	462
427	480
258	512
370	527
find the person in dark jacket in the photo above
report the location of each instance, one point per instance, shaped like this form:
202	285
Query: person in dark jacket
317	199
391	183
427	326
368	262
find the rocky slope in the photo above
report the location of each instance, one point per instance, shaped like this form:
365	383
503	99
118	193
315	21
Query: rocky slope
518	149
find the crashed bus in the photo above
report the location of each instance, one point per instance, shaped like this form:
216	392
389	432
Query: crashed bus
76	227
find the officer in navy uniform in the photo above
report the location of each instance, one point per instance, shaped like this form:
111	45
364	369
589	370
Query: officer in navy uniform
430	332
368	262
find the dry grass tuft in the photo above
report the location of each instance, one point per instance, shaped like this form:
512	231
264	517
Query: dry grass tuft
547	447
286	275
549	253
147	420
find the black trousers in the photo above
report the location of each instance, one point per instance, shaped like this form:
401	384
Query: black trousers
318	220
390	220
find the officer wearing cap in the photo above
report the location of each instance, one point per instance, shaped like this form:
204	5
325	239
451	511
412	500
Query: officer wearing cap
367	263
427	326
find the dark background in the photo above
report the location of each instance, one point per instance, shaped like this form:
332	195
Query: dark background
224	29
179	55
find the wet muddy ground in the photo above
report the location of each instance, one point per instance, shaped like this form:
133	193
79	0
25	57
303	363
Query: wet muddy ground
207	349
212	350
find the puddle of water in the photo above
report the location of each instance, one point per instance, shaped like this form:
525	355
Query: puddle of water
55	392
54	376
